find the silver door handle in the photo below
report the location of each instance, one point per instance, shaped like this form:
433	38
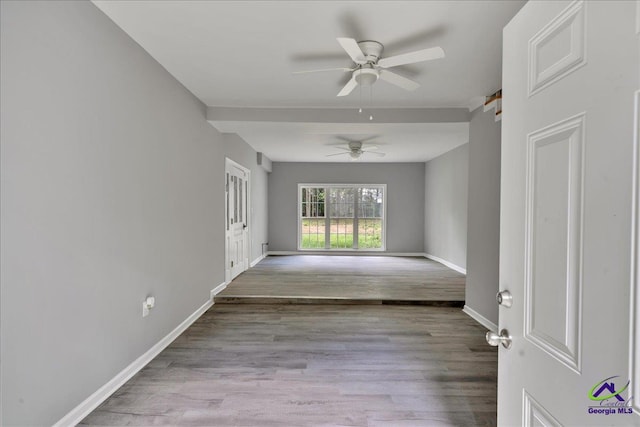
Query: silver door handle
504	338
504	298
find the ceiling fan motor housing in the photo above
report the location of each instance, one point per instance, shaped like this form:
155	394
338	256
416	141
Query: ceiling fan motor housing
356	149
372	50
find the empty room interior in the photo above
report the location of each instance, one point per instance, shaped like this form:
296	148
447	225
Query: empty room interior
316	213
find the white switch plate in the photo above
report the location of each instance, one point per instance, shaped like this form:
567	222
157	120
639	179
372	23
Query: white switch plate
145	309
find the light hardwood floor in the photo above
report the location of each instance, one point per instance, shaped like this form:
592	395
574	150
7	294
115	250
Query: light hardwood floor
322	362
335	279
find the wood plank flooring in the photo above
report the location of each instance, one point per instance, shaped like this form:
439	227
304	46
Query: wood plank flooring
315	365
324	351
352	279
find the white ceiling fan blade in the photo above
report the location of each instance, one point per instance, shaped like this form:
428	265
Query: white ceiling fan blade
325	69
377	153
337	154
352	49
398	80
412	57
346	90
363	140
370	147
343	148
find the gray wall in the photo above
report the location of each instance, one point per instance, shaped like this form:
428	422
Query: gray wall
239	151
483	231
111	190
445	220
405	198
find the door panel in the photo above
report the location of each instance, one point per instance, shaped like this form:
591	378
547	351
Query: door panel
553	224
558	49
237	238
535	415
635	323
570	71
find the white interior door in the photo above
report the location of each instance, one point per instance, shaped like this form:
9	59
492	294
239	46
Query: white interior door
237	221
570	75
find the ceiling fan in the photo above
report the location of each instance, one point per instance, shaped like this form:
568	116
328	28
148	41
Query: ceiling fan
355	149
369	66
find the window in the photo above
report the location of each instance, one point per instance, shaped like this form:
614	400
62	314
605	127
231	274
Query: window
341	217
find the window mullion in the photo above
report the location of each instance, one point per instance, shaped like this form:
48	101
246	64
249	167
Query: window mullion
327	219
356	192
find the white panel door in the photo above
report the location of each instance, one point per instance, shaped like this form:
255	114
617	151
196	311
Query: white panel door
570	73
237	236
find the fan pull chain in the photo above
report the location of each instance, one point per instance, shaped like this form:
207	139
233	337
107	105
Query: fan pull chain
371	101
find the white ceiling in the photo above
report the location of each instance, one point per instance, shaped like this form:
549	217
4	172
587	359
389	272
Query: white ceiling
242	54
292	141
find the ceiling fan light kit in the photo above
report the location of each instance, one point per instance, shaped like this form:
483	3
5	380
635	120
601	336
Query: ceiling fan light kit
366	76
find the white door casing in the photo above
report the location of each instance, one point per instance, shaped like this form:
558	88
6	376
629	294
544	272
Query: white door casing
570	73
237	196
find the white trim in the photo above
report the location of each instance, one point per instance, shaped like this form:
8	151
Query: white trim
342	253
257	260
446	263
215	291
480	318
78	413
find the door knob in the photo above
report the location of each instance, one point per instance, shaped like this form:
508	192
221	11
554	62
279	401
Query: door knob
504	298
504	338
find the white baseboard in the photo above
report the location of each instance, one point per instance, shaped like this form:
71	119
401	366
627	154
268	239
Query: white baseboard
92	402
257	260
480	319
215	291
350	253
447	263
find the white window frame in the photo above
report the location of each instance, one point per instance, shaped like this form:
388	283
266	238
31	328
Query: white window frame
355	218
